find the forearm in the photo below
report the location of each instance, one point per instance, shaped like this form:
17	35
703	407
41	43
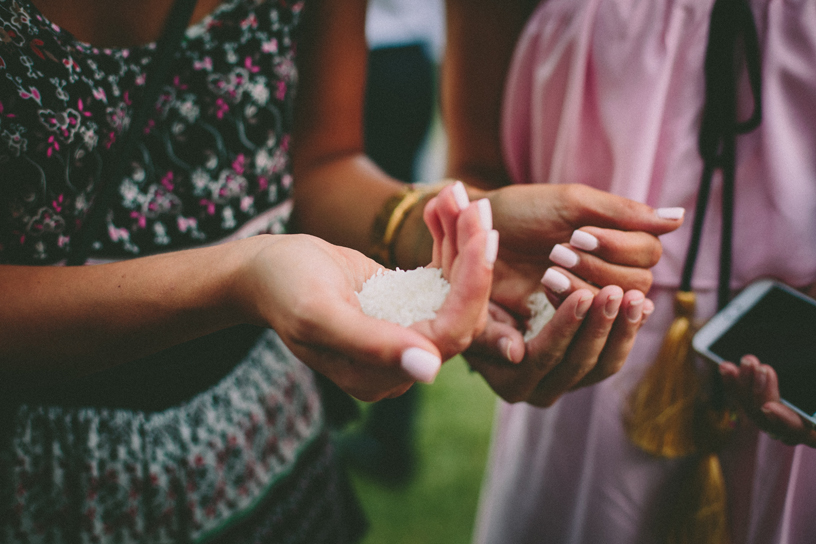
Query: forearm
481	36
75	320
338	191
338	199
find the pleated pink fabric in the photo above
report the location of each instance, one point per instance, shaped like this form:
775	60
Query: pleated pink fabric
609	93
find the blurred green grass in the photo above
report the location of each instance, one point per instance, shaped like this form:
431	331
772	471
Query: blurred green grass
453	434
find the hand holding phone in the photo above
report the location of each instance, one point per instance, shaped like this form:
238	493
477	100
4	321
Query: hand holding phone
770	330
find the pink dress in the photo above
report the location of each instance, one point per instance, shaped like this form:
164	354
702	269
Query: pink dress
609	93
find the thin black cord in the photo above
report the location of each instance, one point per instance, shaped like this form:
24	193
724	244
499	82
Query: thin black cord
732	40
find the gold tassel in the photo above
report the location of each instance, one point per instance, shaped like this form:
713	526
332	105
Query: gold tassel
661	410
667	418
700	512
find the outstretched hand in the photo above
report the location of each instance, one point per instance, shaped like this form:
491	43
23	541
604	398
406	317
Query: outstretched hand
756	388
305	289
592	252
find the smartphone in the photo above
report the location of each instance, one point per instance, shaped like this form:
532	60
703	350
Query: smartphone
778	325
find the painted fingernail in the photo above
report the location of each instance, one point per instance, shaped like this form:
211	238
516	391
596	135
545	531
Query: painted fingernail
670	213
648	307
635	310
555	281
583	305
485	213
613	305
583	240
421	365
563	256
460	195
492	246
505	344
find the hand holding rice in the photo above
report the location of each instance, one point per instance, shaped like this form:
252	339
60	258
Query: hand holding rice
408	296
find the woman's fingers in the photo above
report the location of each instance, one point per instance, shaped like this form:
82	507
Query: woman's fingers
560	283
626	248
609	257
589	206
595	270
501	340
449	203
463	314
634	309
585	348
434	224
755	387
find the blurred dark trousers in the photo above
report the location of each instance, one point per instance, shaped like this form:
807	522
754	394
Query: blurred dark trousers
399	105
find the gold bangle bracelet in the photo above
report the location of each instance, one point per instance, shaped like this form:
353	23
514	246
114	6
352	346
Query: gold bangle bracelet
392	216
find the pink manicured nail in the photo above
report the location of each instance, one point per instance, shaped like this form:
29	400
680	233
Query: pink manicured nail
635	310
460	194
485	213
555	281
505	344
670	213
583	305
420	364
563	256
583	240
492	246
613	305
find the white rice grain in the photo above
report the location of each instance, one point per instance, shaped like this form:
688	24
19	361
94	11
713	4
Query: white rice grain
404	296
541	311
408	296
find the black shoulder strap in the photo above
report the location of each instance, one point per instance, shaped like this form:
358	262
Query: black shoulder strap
166	47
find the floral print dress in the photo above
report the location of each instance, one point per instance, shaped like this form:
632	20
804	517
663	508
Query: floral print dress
247	459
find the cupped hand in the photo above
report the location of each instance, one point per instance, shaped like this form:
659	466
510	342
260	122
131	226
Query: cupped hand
592	251
615	244
305	288
586	340
756	388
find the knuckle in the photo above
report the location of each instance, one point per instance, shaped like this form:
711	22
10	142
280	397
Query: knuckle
455	344
644	283
547	360
599	333
306	323
574	192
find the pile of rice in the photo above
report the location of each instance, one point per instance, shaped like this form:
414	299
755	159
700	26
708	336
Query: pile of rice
408	296
541	311
404	296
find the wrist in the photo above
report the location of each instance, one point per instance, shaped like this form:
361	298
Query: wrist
247	278
398	234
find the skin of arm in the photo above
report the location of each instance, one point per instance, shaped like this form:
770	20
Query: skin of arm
62	322
96	316
328	138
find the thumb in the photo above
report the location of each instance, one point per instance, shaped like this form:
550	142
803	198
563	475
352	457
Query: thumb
602	209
